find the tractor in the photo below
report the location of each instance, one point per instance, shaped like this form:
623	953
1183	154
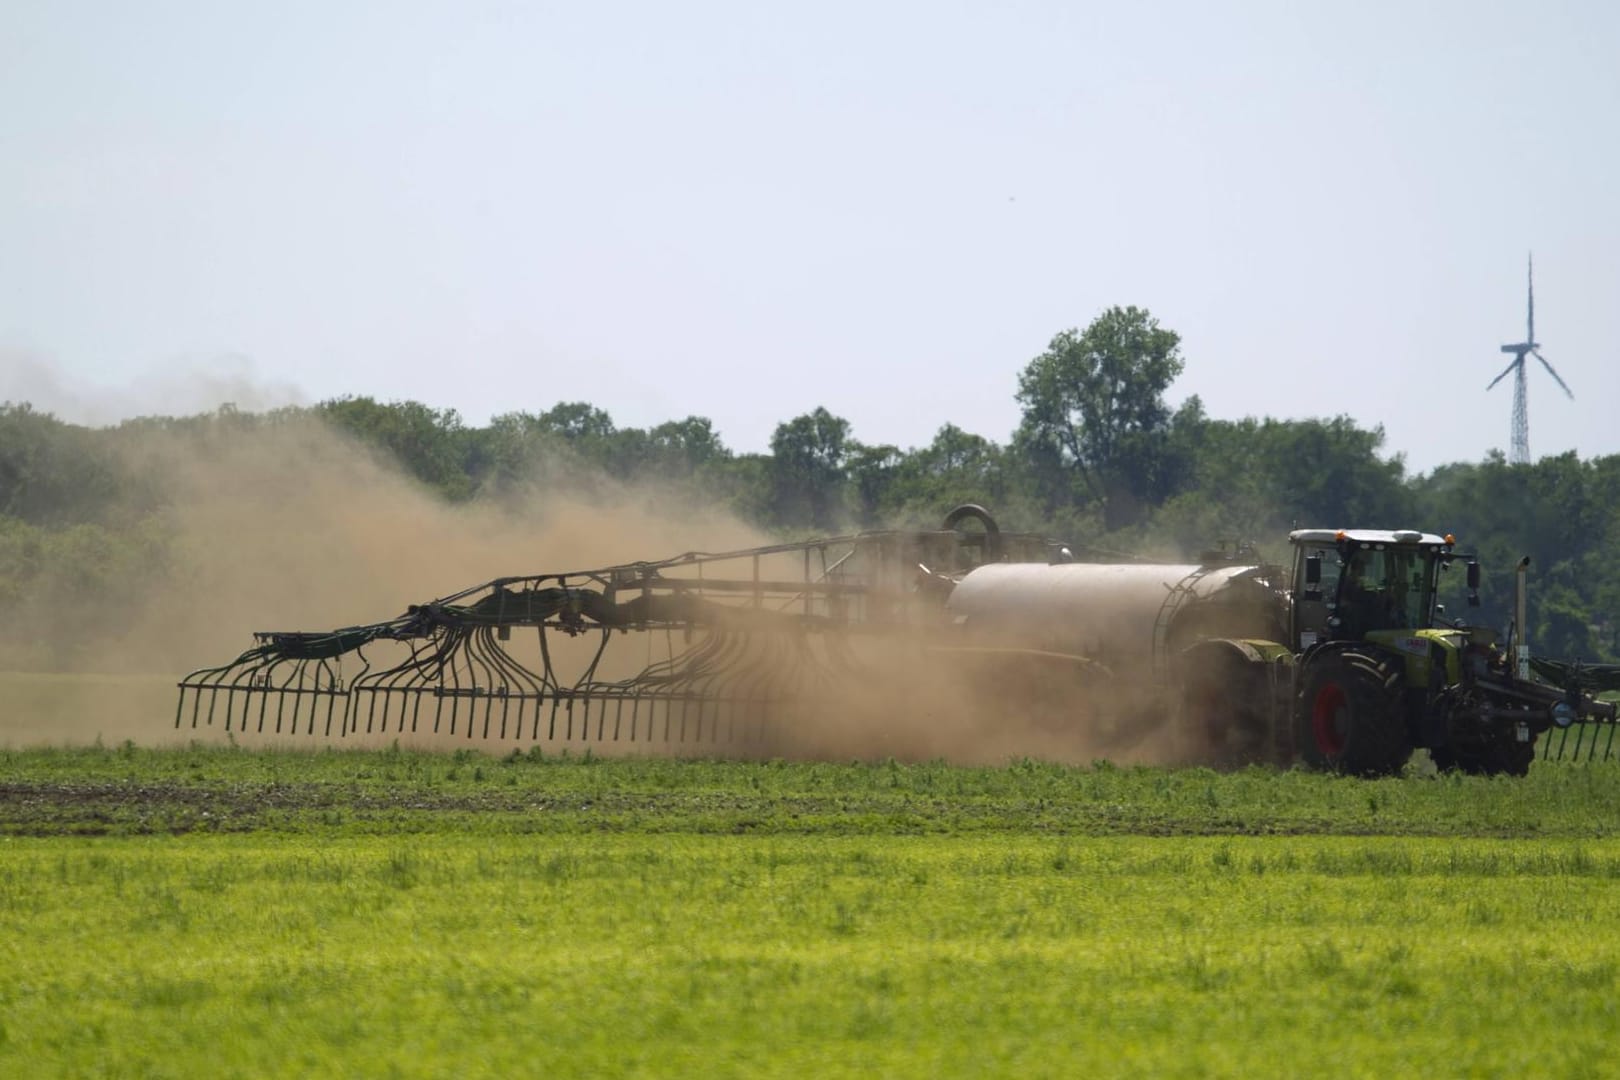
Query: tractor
1379	670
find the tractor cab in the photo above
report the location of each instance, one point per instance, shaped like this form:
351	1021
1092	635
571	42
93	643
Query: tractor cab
1352	584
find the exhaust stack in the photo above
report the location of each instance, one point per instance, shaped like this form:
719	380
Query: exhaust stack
1521	639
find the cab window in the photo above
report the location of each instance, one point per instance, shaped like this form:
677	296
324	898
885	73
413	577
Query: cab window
1384	589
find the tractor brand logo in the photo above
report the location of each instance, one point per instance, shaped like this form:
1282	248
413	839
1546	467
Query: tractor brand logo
1415	645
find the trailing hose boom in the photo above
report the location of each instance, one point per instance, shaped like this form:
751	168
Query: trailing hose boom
699	648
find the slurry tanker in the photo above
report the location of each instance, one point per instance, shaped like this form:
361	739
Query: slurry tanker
1344	660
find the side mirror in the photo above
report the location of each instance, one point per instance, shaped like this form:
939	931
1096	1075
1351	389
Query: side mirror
1473	583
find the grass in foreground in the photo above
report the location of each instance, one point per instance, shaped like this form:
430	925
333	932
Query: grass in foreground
213	911
127	790
806	955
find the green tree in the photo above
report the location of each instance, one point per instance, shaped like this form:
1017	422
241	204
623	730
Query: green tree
959	456
956	467
1094	403
808	458
576	421
1565	515
429	443
53	472
873	472
684	447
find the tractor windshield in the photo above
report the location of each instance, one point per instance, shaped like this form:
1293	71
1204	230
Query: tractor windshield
1385	588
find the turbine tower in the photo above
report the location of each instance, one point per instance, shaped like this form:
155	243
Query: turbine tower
1520	453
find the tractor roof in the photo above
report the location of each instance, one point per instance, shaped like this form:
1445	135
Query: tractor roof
1401	537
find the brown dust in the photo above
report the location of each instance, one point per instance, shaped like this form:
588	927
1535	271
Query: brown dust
293	527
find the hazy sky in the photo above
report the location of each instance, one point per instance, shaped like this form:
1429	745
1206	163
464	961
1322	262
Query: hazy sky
746	210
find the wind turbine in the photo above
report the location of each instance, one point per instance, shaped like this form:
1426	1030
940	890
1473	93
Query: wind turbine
1520	454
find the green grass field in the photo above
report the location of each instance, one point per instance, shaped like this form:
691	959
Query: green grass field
224	912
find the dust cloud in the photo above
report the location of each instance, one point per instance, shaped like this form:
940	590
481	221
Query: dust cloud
290	526
924	701
182	386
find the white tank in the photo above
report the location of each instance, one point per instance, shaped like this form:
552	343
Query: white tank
1110	612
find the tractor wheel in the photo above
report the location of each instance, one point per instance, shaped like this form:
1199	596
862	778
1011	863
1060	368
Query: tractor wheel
1504	757
1349	717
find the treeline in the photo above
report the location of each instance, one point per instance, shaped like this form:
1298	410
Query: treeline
1098	459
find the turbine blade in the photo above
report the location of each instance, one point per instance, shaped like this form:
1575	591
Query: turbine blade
1530	291
1517	360
1554	374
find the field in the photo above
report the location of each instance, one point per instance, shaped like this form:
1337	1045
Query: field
231	912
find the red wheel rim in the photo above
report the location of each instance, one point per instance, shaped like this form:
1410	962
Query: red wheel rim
1328	713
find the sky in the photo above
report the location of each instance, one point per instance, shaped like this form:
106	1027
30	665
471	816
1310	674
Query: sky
744	211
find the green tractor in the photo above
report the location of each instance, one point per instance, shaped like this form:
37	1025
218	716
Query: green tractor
1379	671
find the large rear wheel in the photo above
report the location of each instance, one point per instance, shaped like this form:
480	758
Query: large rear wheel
1348	718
